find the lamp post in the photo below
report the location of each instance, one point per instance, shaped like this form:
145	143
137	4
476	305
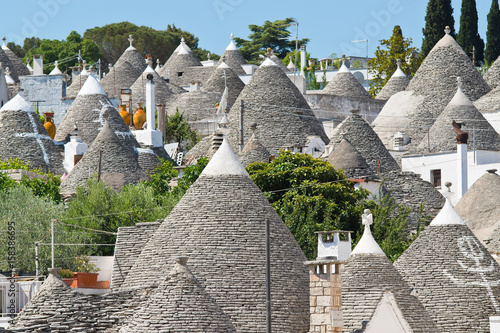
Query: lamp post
296	23
364	41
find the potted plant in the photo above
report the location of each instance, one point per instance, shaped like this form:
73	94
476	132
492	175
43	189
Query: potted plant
86	277
67	276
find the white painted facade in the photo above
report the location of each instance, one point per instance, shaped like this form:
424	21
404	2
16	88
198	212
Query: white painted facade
447	163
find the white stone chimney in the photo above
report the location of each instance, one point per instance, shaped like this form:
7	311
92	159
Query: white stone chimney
462	179
73	151
303	62
38	65
150	136
334	245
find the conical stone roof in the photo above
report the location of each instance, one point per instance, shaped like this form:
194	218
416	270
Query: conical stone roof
345	84
170	59
180	304
429	91
233	58
77	84
216	82
278	62
398	82
349	159
4	59
452	274
119	166
254	151
196	105
489	105
23	136
88	112
219	224
442	137
163	91
133	57
16	66
480	210
178	65
492	76
121	76
359	133
273	101
366	277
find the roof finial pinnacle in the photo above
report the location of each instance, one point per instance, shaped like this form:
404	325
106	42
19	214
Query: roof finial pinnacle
7	70
253	127
398	62
232	36
459	82
447	30
182	39
4	41
130	39
367	218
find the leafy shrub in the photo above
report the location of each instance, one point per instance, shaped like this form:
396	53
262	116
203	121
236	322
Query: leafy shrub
66	273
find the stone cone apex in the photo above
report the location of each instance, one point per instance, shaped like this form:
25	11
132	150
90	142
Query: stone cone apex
132	56
479	210
360	134
367	244
233	58
91	87
178	63
445	257
345	84
164	91
365	279
225	209
88	112
348	158
121	76
181	303
442	137
273	101
56	70
254	151
119	166
77	84
17	67
398	82
216	82
429	91
279	63
23	136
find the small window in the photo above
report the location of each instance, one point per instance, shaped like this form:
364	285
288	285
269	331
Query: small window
180	74
436	178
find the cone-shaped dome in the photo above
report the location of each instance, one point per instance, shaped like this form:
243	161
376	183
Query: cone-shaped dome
233	58
23	136
349	159
345	84
196	104
178	64
77	84
366	277
56	70
480	210
273	101
180	304
163	91
121	76
133	57
88	112
442	137
398	82
492	76
446	265
224	210
254	151
182	44
119	166
430	90
9	59
359	133
217	81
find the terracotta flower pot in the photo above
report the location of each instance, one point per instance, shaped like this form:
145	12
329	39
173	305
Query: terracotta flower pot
86	280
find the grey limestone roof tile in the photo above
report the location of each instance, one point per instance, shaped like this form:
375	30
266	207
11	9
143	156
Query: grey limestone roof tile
217	82
254	151
6	62
180	304
233	59
453	275
345	84
348	158
196	105
132	56
18	67
435	81
121	76
492	75
398	82
219	224
278	62
119	165
76	85
23	136
359	133
177	65
163	91
273	102
489	102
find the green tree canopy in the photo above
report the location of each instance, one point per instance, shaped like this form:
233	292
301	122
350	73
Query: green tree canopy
468	36
383	65
112	40
493	34
274	35
439	14
178	130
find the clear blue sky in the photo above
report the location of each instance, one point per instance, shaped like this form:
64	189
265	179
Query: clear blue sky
330	25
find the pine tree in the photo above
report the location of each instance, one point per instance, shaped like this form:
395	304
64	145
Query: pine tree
439	15
468	35
383	65
493	34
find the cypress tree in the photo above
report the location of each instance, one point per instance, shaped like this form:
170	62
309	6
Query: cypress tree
439	15
493	34
468	35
